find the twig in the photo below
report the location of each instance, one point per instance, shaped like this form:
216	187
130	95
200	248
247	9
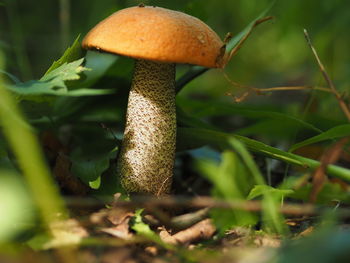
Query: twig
201	230
260	91
187	220
176	223
207	202
278	88
288	88
202	202
329	81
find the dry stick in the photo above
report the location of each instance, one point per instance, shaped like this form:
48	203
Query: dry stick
283	88
177	222
189	219
260	91
204	229
205	202
330	83
202	202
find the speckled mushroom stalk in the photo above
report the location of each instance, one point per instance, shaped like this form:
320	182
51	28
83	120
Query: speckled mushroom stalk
146	160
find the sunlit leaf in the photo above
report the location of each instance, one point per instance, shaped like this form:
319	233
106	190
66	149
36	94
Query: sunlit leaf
260	190
51	83
144	230
72	53
15	206
230	181
28	152
54	83
272	219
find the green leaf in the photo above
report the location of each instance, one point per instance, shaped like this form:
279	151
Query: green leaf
190	138
185	119
231	181
5	161
72	53
144	230
99	63
227	176
272	219
269	128
30	158
90	160
17	211
333	133
52	83
10	76
88	168
196	71
329	193
260	190
67	71
220	109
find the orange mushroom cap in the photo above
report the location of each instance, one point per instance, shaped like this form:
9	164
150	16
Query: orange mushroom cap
157	34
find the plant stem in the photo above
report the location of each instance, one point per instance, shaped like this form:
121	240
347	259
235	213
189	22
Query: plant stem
30	158
329	81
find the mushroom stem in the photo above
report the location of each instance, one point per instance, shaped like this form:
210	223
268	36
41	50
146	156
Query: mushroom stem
146	159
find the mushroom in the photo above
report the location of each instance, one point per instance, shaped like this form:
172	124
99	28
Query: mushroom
156	38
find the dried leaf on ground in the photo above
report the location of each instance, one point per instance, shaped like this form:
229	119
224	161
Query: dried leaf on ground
330	156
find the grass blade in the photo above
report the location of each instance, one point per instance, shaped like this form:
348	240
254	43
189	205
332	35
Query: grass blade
273	219
30	158
189	138
336	132
218	109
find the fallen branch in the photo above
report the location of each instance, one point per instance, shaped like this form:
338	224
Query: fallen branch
187	220
208	202
204	229
248	90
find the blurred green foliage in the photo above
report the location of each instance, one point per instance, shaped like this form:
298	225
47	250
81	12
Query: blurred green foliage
276	55
16	204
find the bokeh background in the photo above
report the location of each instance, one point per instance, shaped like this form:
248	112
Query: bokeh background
34	33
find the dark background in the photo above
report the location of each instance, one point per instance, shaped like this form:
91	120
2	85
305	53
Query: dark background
34	33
